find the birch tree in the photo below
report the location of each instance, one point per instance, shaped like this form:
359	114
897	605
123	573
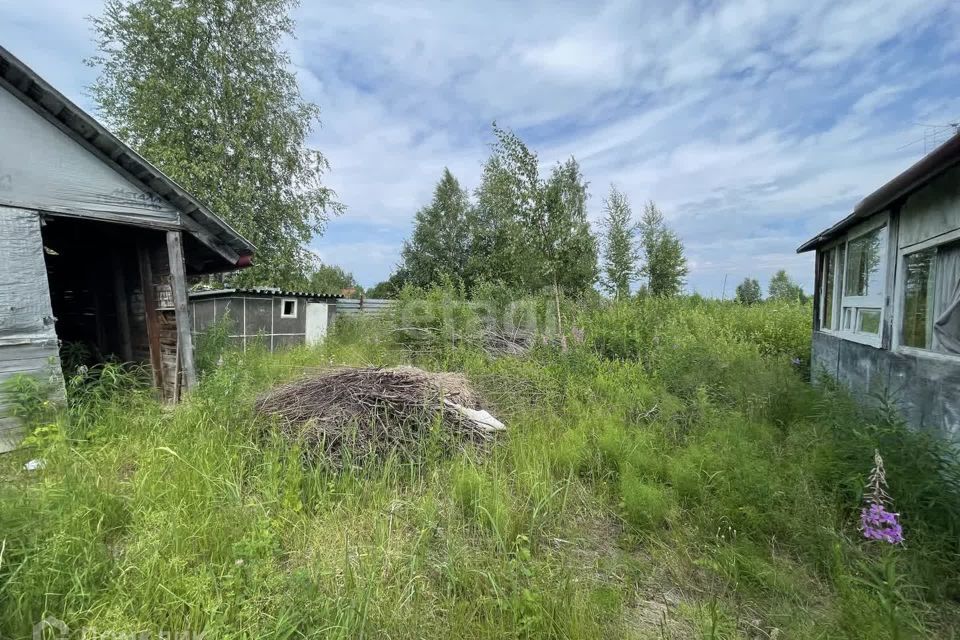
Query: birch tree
203	89
665	266
620	254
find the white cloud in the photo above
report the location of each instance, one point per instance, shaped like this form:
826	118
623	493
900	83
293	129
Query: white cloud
752	123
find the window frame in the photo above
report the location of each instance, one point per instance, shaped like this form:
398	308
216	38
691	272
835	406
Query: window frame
899	307
283	308
843	302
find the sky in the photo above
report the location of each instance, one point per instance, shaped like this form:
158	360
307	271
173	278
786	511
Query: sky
753	125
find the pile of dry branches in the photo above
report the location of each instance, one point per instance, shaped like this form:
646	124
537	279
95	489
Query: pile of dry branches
350	414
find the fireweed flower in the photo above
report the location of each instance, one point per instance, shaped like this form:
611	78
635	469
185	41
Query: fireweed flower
876	521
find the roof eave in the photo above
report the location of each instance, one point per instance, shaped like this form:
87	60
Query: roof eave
209	228
915	177
242	291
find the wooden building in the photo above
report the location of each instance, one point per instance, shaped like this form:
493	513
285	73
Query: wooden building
96	245
887	298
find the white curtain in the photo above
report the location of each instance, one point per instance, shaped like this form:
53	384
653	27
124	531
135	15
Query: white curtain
946	326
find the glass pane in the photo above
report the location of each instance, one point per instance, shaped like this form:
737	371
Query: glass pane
848	319
918	299
864	275
868	321
829	271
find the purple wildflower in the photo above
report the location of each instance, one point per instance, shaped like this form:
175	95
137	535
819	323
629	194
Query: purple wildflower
879	524
876	521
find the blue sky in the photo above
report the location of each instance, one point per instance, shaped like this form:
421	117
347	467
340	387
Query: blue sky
752	124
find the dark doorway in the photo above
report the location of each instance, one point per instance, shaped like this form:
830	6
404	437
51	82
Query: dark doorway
94	280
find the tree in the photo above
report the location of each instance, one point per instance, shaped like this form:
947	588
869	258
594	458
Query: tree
749	292
565	248
665	266
202	88
783	289
531	233
390	287
440	245
620	255
509	193
330	279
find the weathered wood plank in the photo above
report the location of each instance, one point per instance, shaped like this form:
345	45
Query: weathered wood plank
150	313
178	281
11	433
23	366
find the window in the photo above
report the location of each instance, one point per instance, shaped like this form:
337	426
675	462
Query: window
826	303
288	308
864	275
853	282
931	299
918	299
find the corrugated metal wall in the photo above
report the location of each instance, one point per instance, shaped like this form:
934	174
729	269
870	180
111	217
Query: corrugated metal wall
349	307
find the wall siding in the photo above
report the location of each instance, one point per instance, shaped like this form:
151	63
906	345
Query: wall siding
932	211
43	168
28	342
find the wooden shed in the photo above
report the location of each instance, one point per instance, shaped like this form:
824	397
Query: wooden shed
96	245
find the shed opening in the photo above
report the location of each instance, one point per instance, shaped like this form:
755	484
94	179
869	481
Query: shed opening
111	296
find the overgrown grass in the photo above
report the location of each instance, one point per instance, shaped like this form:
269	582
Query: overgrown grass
671	477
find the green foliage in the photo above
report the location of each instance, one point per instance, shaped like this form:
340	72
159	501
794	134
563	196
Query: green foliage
526	231
749	292
29	398
327	278
783	289
439	248
675	451
646	505
509	195
665	266
389	288
203	89
211	345
620	255
564	246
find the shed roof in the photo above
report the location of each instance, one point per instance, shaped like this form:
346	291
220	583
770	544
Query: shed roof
921	173
262	292
20	80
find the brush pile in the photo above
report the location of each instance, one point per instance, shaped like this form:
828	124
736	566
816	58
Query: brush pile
349	414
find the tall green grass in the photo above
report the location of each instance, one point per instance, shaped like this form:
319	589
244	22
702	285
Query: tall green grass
672	476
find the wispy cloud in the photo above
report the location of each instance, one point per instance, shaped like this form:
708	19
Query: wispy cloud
752	124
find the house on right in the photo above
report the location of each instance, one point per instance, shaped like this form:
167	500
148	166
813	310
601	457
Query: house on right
887	294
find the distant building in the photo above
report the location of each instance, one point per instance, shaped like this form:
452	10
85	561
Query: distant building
95	247
274	317
887	297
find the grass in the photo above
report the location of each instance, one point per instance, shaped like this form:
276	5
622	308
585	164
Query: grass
673	476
